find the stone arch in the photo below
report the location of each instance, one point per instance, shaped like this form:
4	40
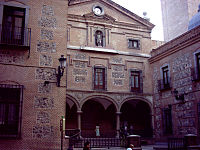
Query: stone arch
103	115
100	96
73	100
72	107
137	98
137	116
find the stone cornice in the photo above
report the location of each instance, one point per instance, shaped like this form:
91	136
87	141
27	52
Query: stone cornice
104	50
107	21
109	92
177	44
119	8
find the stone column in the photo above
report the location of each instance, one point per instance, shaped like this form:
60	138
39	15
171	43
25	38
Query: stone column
79	119
118	123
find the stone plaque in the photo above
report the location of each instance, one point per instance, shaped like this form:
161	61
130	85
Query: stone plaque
44	88
80	64
46	47
79	79
45	74
116	60
81	72
118	82
43	117
10	57
43	102
47	10
46	34
117	68
49	22
80	56
118	75
46	60
42	131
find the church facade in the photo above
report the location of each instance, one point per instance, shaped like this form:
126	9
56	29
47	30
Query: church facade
108	72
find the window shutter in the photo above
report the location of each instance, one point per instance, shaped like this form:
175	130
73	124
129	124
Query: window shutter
130	82
129	43
105	78
141	81
139	44
93	77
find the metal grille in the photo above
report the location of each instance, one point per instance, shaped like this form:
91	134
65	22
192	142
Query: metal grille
11	98
176	144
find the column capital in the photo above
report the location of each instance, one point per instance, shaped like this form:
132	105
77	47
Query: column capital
118	113
79	112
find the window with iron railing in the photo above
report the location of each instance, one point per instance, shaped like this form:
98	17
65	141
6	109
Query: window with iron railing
99	78
10	110
164	83
196	69
167	120
136	81
13	30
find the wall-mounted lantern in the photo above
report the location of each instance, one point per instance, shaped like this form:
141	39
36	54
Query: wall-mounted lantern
179	97
60	72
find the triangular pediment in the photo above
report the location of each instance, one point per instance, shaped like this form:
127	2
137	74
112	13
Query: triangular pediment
113	12
104	17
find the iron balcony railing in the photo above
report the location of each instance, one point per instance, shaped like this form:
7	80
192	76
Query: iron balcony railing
177	144
164	84
15	36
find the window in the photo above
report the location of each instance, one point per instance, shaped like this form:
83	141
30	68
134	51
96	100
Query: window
133	43
198	108
165	72
13	29
136	81
167	120
164	83
99	39
198	66
13	25
10	110
99	78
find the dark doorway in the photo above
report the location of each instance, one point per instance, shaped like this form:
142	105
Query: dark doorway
136	116
71	117
94	114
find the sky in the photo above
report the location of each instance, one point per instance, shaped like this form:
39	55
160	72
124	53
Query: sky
153	9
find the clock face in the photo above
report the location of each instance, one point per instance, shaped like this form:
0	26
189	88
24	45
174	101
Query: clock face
97	10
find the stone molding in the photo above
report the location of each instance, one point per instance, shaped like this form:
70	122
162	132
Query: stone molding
116	98
113	51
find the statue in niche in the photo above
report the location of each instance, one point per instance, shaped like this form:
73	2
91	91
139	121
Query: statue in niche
99	38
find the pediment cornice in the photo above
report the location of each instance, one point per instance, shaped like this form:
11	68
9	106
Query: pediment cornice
116	6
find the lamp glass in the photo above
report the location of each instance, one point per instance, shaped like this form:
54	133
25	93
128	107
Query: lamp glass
62	61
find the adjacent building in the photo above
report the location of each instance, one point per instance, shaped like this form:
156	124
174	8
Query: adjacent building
176	86
108	74
176	15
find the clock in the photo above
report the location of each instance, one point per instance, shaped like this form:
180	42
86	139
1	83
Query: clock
98	10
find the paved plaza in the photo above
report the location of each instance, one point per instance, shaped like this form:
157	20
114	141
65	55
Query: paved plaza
146	147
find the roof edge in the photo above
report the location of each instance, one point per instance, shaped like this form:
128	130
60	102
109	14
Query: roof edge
144	21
